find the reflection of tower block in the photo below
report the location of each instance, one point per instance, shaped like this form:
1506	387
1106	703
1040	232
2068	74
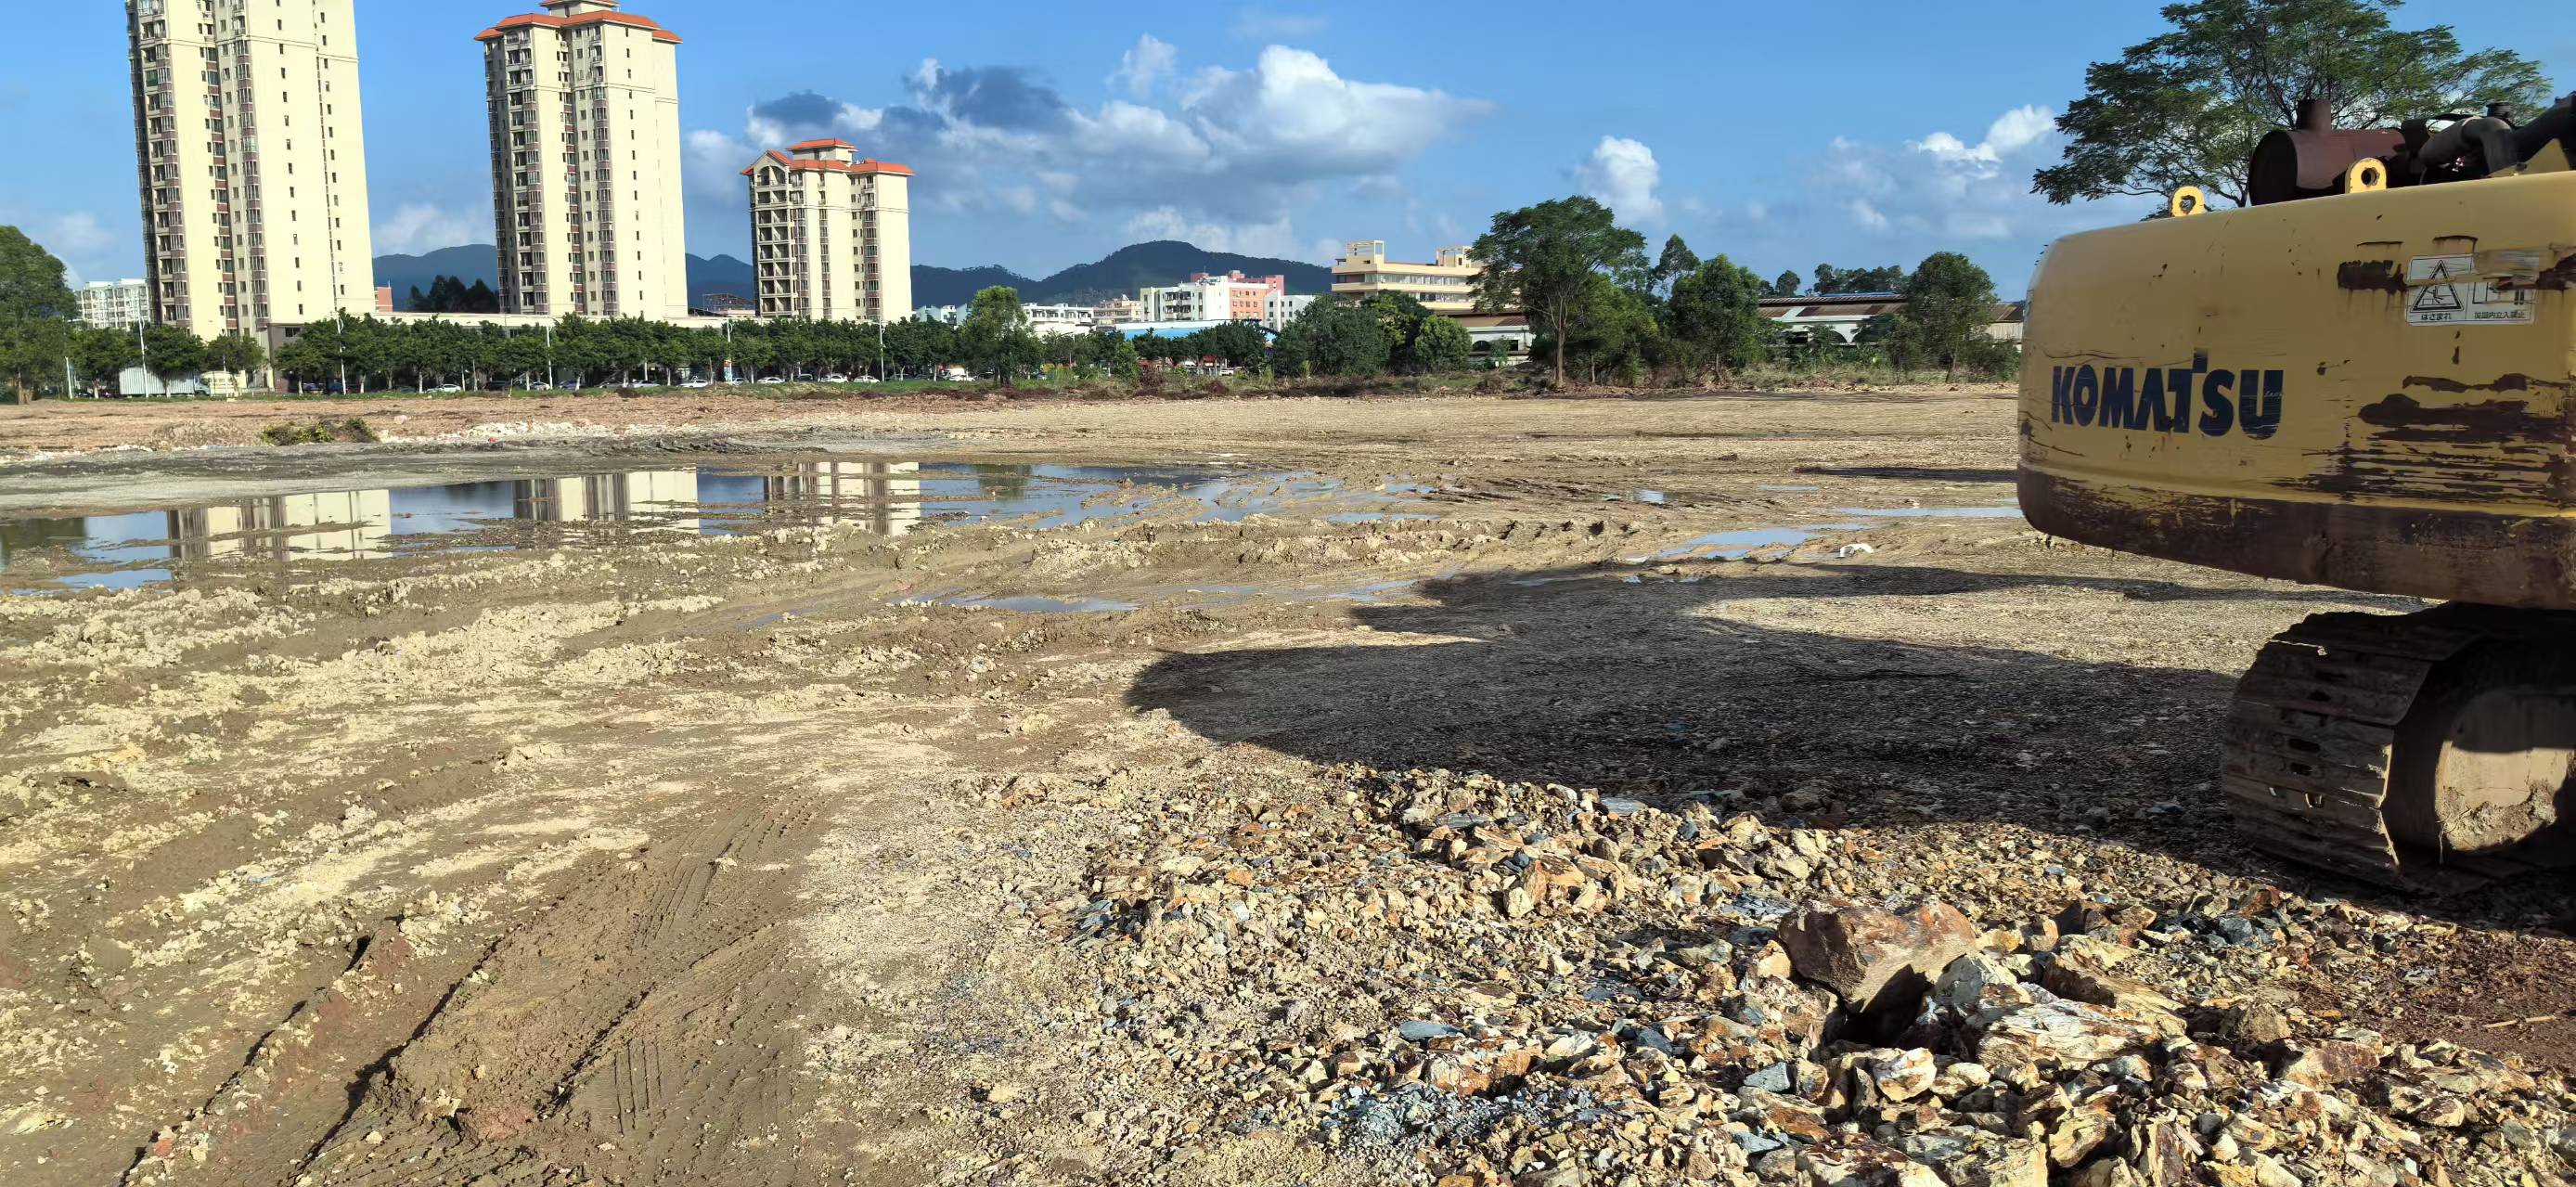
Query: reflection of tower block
608	498
882	497
659	494
331	525
338	525
204	533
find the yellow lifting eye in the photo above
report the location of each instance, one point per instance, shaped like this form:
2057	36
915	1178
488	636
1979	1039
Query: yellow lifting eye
2188	201
2364	176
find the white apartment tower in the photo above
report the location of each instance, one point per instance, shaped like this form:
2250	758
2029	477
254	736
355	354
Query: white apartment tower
585	117
251	161
831	234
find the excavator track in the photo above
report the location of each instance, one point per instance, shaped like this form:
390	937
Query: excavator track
2312	737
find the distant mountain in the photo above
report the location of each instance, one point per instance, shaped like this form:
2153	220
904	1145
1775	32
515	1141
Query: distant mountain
723	274
1161	262
1141	265
957	286
469	263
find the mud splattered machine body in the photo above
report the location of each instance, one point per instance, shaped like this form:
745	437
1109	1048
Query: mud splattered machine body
2361	380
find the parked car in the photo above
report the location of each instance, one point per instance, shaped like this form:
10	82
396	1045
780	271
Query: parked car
769	379
643	384
836	377
697	383
447	389
539	385
864	379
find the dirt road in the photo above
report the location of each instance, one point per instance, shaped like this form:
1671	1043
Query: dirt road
797	855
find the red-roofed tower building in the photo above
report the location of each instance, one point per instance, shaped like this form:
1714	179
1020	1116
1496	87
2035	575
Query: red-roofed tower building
585	119
831	233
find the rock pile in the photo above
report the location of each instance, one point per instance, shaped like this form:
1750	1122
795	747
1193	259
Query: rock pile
1480	983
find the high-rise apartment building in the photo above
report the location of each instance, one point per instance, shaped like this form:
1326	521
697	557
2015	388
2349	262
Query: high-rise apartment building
831	234
585	120
252	162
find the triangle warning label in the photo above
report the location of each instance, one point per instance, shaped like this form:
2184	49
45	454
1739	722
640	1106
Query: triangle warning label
2438	296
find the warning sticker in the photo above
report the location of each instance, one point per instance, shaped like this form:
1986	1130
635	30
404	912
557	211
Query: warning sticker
2447	290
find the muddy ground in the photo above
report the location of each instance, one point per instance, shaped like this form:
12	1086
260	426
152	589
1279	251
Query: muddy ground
729	859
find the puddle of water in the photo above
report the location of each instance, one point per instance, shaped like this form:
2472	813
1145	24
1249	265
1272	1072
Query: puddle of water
1933	512
1730	545
1035	604
133	549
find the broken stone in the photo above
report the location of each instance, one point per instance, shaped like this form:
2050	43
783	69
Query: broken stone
1901	1075
1877	960
2062	1032
1977	981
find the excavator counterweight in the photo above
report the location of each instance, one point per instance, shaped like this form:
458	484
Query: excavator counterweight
2361	380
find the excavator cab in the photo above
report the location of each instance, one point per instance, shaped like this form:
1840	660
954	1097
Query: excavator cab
2362	378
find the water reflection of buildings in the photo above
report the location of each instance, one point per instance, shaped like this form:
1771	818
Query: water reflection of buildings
609	498
882	497
345	525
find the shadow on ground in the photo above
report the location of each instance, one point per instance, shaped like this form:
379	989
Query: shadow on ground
1649	689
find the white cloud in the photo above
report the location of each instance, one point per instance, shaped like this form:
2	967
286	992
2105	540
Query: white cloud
1222	153
1152	60
1291	115
416	227
1326	251
2011	132
1272	238
1622	173
1866	215
1255	24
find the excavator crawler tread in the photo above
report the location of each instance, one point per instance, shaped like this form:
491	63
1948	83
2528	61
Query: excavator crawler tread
2311	739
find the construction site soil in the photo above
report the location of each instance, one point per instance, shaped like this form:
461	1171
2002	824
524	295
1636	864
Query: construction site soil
1223	791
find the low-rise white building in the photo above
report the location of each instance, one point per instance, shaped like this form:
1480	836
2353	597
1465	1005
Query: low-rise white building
1204	297
114	304
1279	309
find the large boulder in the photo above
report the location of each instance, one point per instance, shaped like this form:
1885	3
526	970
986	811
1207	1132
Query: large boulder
1878	960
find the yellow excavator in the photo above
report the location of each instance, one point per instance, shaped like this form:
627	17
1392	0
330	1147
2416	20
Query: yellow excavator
2360	378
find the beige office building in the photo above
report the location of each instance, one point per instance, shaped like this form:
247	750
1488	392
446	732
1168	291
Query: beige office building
831	233
584	103
1447	284
251	160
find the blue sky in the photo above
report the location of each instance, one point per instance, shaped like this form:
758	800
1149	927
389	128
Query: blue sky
1872	132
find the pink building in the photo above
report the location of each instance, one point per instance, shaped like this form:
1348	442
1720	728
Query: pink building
1247	297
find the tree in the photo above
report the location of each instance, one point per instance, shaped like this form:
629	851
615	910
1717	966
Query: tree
101	355
1542	259
1240	345
172	353
1441	346
2186	107
1333	337
1677	261
1717	315
34	303
1831	280
1123	361
995	335
236	354
1949	302
1786	285
1612	332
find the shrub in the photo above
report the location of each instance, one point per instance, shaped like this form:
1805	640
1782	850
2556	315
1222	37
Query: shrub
319	432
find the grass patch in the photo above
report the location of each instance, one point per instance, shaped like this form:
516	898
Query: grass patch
322	431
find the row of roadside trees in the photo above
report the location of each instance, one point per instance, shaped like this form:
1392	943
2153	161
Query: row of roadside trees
1603	310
